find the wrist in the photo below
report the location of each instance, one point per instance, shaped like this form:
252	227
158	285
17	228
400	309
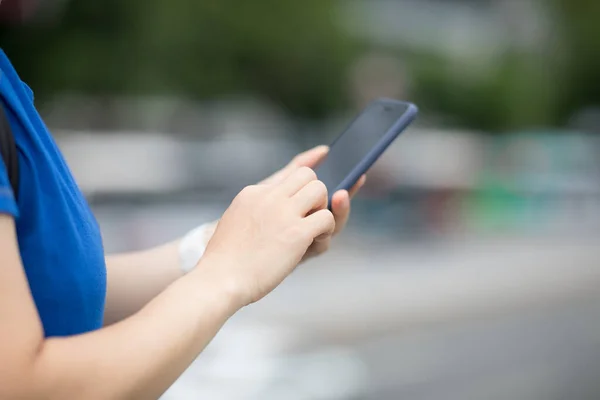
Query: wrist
193	245
215	272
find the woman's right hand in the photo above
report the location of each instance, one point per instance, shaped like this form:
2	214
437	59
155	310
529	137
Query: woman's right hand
266	231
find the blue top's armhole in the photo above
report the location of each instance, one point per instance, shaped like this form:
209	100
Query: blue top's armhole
8	204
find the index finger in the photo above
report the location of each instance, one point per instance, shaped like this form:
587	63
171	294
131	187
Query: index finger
310	158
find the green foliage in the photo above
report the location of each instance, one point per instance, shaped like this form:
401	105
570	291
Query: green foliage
288	51
292	53
581	32
519	92
543	88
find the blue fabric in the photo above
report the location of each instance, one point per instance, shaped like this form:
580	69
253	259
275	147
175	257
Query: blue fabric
59	238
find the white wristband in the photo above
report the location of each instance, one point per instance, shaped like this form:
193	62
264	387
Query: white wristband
192	247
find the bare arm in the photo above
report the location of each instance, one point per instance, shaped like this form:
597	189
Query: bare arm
141	356
133	279
136	278
137	358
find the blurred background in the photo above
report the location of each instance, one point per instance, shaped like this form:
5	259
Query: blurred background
471	266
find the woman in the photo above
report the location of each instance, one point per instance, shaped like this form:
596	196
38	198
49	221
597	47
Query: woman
75	324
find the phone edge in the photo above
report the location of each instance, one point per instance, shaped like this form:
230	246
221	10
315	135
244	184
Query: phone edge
367	162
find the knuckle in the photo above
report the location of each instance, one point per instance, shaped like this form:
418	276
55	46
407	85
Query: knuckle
247	191
307	172
320	187
294	234
329	218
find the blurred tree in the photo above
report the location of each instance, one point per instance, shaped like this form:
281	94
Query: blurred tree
537	88
580	28
520	91
290	52
294	54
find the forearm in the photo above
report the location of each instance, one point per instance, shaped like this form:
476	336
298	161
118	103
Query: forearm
140	357
133	279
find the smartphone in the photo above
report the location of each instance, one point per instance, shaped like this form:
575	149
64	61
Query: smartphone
366	138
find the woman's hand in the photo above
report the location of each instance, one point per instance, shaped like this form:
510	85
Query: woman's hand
267	230
340	203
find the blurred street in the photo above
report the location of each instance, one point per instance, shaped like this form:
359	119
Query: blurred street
434	291
494	320
402	308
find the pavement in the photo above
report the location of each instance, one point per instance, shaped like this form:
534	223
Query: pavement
465	318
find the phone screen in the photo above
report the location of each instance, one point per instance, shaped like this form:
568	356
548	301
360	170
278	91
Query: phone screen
352	146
